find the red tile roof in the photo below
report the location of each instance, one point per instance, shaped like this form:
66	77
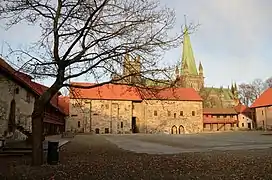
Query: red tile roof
240	108
64	103
181	94
219	111
25	79
125	92
265	99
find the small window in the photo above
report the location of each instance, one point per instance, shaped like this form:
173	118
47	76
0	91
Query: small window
243	124
181	113
107	106
193	113
262	112
107	131
74	115
237	124
16	90
169	113
28	96
78	124
155	113
224	116
175	115
122	125
97	131
243	117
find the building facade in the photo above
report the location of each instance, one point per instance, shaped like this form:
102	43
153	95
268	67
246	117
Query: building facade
262	108
121	109
220	119
18	94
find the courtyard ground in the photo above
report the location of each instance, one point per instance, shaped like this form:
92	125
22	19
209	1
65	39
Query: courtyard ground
205	156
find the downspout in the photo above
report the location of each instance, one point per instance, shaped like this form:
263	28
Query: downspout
265	114
91	116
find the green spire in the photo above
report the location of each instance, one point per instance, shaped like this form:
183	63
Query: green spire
188	55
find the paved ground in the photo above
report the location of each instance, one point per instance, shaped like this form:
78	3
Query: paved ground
172	144
94	157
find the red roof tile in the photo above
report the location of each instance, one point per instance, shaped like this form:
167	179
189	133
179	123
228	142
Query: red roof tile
240	108
181	94
125	92
219	111
108	91
64	103
265	99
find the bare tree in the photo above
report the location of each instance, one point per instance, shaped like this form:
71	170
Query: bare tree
80	37
268	83
247	93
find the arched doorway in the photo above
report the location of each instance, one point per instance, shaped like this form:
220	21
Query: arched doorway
174	130
181	129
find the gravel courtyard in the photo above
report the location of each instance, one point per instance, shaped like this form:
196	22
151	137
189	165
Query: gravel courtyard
98	157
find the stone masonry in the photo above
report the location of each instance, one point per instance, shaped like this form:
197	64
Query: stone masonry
152	116
24	105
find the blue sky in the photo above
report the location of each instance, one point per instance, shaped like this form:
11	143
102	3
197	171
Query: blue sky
233	41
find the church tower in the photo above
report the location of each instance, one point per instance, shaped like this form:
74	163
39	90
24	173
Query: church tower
132	70
189	75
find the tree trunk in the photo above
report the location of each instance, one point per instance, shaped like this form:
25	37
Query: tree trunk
37	119
37	134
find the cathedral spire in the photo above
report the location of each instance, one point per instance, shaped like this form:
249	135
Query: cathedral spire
200	68
187	54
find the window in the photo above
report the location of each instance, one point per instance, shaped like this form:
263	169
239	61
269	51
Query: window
97	131
155	113
107	106
181	113
175	115
28	97
107	131
193	113
122	125
262	112
243	124
78	124
224	116
243	117
204	125
169	113
16	90
74	115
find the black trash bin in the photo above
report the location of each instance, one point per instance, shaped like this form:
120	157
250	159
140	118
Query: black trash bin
53	152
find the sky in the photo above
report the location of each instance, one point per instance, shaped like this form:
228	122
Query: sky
232	41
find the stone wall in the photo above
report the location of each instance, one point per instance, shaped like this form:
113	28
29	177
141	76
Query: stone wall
24	104
116	116
244	121
106	116
264	117
172	116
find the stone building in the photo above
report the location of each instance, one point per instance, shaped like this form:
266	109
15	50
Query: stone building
116	108
262	108
18	94
245	117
